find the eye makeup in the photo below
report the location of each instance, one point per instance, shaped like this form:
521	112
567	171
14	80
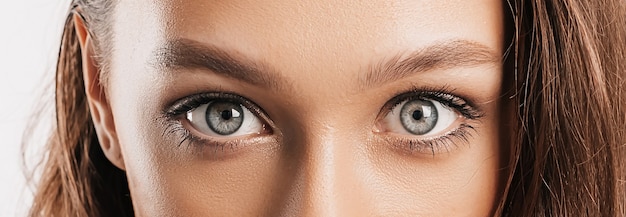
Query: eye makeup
444	95
176	124
457	133
431	145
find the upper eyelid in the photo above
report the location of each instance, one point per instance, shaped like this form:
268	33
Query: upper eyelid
432	95
182	105
395	101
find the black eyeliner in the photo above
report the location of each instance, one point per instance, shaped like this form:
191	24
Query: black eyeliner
191	102
173	120
443	95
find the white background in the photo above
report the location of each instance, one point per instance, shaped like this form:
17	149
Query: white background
30	32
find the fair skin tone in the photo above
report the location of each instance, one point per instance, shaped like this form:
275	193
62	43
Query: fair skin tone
323	87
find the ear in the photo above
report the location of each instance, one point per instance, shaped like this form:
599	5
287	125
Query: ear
99	106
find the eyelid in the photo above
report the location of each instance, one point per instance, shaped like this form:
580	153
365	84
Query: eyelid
443	95
198	119
176	124
178	110
459	132
430	146
447	119
188	103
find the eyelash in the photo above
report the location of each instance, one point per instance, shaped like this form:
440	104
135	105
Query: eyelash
440	143
443	95
174	125
436	145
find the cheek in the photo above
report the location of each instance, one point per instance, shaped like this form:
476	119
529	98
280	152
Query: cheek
462	181
139	142
170	178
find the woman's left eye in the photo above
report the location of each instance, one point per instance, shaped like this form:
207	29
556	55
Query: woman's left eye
220	118
421	117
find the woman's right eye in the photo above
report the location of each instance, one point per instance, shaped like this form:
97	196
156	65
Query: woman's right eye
224	118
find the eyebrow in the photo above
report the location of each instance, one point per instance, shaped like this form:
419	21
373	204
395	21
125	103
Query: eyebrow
189	54
439	56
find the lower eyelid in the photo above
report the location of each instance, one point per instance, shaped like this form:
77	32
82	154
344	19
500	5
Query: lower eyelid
460	120
191	129
214	148
431	145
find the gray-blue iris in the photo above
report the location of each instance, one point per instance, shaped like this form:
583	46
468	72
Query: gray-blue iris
418	116
224	118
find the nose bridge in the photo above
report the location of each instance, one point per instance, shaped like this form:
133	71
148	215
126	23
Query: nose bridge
320	174
326	184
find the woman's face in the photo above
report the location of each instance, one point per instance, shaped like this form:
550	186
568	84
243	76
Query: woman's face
308	108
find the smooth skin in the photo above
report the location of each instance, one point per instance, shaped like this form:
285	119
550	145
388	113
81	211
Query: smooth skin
325	150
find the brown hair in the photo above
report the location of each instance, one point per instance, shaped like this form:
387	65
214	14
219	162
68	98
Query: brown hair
565	87
569	154
77	179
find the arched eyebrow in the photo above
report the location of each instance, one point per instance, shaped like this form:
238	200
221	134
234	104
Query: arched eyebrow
189	54
438	56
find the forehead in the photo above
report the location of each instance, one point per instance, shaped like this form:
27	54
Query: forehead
305	40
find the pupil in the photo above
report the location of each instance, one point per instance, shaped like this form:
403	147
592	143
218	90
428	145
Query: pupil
226	114
418	114
224	118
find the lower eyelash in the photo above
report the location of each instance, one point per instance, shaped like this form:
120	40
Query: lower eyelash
176	129
435	145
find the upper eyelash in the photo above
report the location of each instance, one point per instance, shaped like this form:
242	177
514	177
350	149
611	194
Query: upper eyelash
189	103
443	95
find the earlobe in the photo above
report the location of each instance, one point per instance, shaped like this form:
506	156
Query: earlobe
99	106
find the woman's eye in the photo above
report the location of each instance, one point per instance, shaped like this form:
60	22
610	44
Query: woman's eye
224	118
422	117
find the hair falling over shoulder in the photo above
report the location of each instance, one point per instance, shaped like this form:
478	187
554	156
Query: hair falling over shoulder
570	95
566	87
